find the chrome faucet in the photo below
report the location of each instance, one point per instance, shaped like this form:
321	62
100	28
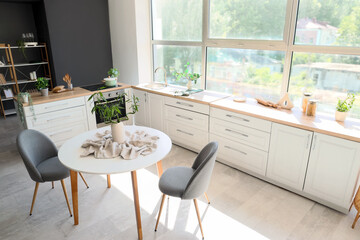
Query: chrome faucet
164	74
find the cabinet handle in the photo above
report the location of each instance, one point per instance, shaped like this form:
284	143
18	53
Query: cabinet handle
145	96
236	150
55	118
187	118
242	119
242	134
313	146
308	141
185	104
64	104
56	133
184	132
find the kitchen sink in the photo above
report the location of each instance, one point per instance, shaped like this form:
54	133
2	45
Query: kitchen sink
155	86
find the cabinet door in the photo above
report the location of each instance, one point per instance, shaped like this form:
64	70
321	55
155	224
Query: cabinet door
333	169
141	117
156	109
288	155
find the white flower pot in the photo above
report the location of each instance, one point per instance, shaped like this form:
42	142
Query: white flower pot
25	98
340	116
44	92
118	132
189	85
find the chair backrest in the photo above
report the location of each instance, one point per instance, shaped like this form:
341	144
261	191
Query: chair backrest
203	166
34	147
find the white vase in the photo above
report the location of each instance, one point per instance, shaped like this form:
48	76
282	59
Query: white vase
340	116
118	132
189	85
44	92
25	98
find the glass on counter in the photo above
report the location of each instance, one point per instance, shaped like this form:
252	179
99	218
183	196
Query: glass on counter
311	107
305	101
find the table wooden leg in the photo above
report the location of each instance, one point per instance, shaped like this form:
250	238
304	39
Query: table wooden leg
137	204
108	181
74	193
159	168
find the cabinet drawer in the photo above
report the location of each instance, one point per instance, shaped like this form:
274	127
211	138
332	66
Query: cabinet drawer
61	134
241	134
187	136
241	155
60	118
242	119
55	106
189	118
196	107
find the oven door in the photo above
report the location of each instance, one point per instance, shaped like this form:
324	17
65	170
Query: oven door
111	101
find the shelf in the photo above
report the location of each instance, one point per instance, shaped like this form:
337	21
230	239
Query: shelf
3	99
10	112
24	81
38	46
29	64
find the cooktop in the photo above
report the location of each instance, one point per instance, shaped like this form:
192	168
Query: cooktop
97	87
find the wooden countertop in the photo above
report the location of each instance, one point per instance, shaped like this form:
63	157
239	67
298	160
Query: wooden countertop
322	123
77	92
204	97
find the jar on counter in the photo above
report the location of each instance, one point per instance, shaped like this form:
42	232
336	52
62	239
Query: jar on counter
311	107
305	100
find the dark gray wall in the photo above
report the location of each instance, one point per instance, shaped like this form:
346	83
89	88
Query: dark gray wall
80	39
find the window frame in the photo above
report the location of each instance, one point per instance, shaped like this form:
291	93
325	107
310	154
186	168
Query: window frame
286	45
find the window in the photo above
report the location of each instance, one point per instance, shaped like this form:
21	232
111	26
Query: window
262	48
246	72
247	19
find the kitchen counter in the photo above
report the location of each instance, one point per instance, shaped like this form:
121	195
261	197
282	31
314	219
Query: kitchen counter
77	92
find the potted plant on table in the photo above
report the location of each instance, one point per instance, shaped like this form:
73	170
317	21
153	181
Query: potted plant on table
344	106
42	85
113	113
111	80
191	77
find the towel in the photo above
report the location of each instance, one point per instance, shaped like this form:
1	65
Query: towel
103	146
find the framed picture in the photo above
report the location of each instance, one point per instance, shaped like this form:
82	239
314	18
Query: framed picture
8	93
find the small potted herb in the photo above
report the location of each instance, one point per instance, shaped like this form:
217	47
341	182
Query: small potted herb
111	80
42	85
191	77
21	98
344	106
112	113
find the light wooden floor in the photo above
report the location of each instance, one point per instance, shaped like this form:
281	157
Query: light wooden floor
242	207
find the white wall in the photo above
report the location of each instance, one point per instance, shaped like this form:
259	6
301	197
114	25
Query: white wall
130	39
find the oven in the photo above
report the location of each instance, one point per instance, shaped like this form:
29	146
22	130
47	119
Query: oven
112	98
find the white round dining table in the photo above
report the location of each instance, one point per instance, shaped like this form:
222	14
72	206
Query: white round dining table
70	156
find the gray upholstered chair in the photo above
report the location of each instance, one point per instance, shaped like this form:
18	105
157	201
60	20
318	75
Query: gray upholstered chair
189	183
39	154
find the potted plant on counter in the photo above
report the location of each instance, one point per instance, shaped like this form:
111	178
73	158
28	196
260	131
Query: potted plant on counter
113	114
191	77
111	80
21	98
42	85
344	106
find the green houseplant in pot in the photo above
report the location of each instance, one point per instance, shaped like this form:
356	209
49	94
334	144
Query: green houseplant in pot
21	98
344	106
191	77
42	85
113	114
111	80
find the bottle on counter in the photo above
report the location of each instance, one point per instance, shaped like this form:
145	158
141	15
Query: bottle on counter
305	100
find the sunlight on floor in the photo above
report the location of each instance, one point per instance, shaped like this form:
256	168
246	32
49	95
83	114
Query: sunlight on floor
178	215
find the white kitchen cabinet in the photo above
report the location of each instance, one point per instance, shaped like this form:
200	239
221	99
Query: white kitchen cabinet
333	169
141	117
288	155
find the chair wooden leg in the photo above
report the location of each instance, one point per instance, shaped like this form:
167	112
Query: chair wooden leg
82	177
198	216
161	207
66	196
34	197
207	199
52	184
356	219
108	181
